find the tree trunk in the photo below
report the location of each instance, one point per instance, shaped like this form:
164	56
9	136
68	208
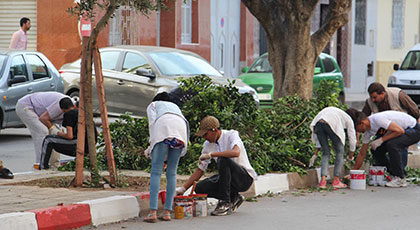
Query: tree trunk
293	61
88	90
292	49
89	116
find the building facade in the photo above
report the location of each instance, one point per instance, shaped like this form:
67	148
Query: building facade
220	31
398	32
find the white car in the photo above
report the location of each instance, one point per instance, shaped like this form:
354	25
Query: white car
407	76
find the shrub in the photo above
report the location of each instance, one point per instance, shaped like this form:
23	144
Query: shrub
278	139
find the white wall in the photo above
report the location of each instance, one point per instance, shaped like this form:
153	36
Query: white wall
225	44
362	55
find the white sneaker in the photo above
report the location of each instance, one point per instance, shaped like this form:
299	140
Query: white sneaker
397	182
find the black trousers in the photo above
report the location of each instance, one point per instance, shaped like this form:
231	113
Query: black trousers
59	144
231	180
395	147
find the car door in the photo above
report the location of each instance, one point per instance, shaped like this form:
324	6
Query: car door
16	91
110	60
42	78
136	92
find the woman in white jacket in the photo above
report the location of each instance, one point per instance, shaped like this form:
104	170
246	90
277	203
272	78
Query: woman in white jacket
169	134
330	123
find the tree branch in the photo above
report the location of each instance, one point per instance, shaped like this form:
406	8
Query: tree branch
337	17
110	9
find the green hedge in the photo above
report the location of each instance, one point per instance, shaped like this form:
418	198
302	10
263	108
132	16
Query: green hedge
278	139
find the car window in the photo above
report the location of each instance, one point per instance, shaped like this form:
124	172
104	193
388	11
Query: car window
38	67
411	61
2	58
328	65
134	61
175	63
318	63
109	59
262	65
18	67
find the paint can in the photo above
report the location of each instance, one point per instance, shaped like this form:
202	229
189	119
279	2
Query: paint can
199	205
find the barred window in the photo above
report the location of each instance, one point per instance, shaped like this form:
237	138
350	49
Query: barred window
360	25
186	33
397	23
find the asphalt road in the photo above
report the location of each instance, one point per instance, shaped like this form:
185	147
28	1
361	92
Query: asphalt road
376	208
17	150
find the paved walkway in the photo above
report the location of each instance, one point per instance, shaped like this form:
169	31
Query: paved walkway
16	198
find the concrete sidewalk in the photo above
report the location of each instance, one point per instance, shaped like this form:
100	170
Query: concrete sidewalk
356	100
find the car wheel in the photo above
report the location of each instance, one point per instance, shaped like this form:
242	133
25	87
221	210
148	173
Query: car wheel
342	98
75	95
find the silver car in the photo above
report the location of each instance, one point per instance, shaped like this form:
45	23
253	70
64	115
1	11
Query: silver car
133	75
22	73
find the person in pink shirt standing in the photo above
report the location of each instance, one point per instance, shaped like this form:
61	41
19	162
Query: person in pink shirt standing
20	39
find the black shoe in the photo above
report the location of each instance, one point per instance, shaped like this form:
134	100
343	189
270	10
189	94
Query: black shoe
223	208
237	202
6	174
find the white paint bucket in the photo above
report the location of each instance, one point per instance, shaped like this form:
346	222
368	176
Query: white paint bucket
357	179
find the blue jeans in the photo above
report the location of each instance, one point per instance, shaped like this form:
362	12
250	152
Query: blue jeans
159	152
323	132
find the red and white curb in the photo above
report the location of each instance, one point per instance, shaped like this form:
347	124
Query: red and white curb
90	212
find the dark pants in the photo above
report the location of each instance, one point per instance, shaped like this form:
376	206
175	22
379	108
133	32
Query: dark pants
226	186
59	144
397	153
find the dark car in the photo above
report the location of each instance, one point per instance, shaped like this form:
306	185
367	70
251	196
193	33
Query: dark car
22	73
133	75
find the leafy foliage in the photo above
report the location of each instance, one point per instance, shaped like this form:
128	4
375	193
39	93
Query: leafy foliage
87	7
278	139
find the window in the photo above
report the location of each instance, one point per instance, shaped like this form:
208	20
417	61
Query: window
134	61
186	34
318	63
182	64
412	61
234	56
328	65
110	59
360	25
397	23
38	67
262	65
18	67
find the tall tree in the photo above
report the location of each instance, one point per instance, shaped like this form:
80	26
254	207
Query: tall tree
292	49
90	10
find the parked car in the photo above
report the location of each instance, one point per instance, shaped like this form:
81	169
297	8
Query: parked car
133	75
260	77
407	76
22	73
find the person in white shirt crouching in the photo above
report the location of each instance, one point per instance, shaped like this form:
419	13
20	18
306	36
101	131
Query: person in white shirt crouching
235	173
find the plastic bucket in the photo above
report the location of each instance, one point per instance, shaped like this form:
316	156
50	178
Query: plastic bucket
372	176
380	174
357	179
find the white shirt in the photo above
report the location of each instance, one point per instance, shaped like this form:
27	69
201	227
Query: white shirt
167	126
227	140
383	119
19	40
338	120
